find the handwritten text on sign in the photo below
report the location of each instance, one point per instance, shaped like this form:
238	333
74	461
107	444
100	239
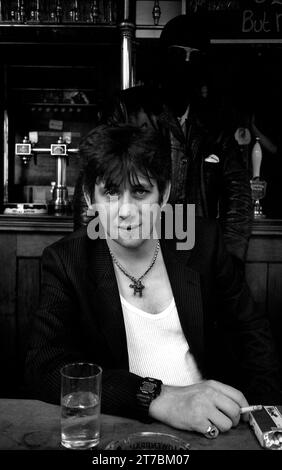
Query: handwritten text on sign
267	20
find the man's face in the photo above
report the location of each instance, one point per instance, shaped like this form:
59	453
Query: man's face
128	213
181	76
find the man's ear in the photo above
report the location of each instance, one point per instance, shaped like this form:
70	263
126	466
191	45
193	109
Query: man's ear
166	194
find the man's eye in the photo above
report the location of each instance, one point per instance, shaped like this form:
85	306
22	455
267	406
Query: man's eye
140	191
112	192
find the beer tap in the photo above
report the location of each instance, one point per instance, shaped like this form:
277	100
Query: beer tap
60	191
258	185
61	152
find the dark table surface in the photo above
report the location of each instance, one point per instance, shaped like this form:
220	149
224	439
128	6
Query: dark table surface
32	424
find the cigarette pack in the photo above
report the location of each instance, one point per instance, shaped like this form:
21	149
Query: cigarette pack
267	426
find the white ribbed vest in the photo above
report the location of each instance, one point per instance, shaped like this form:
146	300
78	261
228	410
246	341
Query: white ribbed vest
157	346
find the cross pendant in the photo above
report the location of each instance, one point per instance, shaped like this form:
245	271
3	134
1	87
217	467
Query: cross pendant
138	287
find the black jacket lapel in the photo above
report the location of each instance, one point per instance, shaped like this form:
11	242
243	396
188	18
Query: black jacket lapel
106	301
195	134
168	121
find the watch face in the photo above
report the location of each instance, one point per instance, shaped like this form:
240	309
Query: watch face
148	387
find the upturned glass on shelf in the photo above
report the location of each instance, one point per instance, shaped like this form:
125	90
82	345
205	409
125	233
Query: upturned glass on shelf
73	12
56	11
84	11
35	12
17	12
109	10
59	11
103	11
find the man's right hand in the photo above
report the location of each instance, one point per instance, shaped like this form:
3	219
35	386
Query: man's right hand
196	407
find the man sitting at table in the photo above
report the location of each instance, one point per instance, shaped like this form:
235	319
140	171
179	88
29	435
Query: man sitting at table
175	331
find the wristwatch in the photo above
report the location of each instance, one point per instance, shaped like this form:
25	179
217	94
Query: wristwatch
148	390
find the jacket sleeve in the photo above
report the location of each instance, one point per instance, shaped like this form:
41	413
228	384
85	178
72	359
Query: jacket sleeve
235	207
55	341
247	333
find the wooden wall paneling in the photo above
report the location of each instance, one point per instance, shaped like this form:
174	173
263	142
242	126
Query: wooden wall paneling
8	243
28	290
275	303
256	276
33	244
265	249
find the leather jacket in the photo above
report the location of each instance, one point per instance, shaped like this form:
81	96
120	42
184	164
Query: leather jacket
207	165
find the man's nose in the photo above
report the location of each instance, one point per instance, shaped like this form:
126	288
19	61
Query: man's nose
126	206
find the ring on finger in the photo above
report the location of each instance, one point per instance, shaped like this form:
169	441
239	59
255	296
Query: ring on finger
212	432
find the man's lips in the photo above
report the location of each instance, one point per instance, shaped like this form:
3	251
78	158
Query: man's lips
129	227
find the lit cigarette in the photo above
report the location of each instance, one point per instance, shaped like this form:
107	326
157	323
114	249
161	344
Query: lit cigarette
248	409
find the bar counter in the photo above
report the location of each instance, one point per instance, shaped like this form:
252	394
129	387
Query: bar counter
40	223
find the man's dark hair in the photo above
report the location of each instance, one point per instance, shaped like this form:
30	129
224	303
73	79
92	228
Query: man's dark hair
118	154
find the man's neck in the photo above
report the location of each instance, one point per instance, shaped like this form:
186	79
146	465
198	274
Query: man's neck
140	254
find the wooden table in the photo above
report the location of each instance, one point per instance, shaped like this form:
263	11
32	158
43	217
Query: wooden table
35	425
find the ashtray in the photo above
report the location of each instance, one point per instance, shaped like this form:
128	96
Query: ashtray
149	441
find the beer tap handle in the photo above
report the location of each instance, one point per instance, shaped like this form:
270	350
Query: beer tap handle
24	150
256	158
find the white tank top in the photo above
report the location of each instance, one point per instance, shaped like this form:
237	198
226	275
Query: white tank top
157	346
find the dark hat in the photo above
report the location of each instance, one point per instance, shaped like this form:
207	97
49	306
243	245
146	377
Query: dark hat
186	30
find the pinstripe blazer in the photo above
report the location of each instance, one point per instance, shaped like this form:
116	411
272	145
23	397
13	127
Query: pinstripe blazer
80	318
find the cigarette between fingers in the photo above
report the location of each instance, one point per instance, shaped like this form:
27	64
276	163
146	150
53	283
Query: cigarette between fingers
248	409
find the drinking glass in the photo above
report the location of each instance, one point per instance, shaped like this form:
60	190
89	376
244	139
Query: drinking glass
80	405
